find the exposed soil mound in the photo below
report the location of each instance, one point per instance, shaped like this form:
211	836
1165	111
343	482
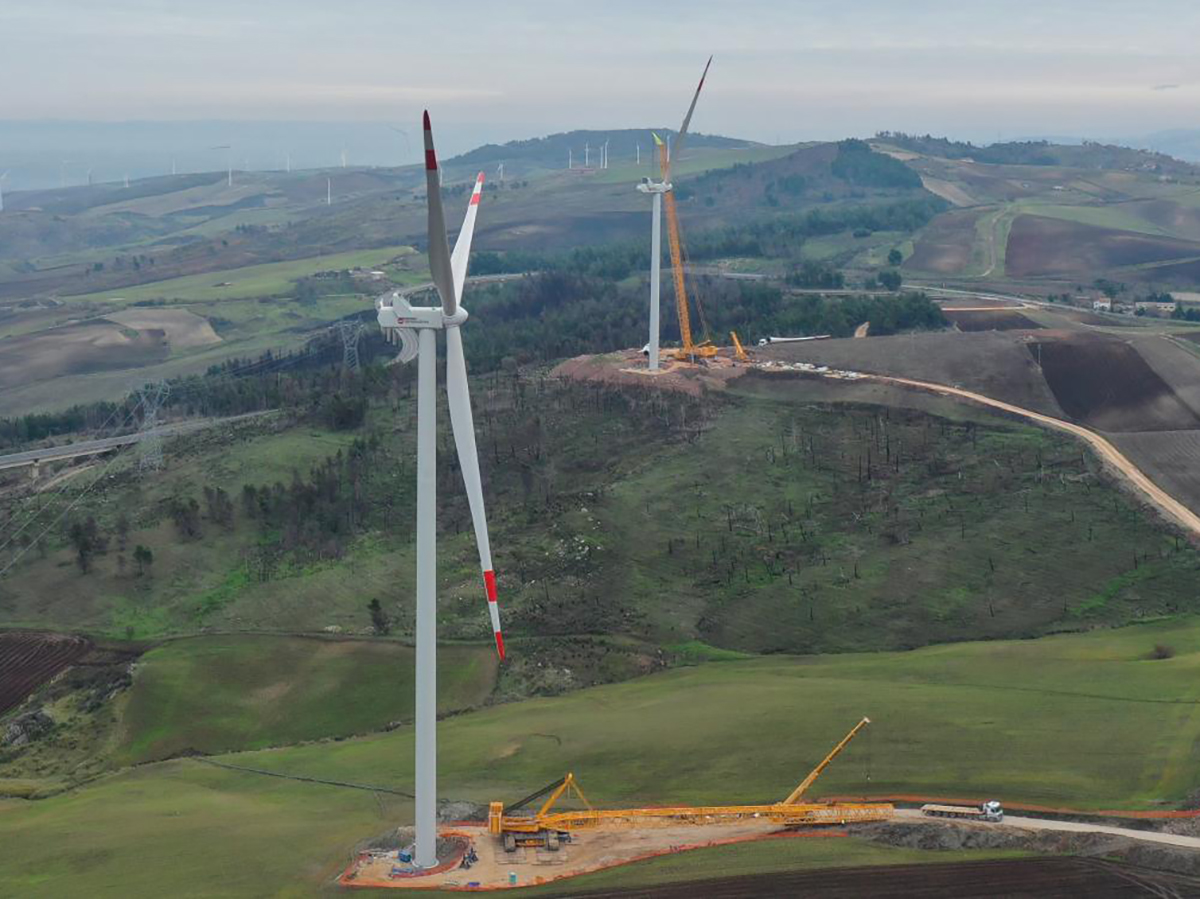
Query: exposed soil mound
182	328
1106	384
984	320
1040	246
28	660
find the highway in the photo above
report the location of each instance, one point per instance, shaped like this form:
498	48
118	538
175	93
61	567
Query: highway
105	444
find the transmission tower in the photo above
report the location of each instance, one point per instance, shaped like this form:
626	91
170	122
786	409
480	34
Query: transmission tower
350	331
153	395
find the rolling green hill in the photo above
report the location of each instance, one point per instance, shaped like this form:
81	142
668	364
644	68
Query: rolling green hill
1083	720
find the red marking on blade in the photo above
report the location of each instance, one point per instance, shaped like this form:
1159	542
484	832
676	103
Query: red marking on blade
479	181
489	583
427	128
430	160
475	198
500	645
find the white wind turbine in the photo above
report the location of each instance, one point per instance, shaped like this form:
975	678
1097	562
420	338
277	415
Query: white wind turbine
415	329
656	189
2	177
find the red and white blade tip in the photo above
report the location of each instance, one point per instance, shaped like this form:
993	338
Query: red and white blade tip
430	155
478	191
489	585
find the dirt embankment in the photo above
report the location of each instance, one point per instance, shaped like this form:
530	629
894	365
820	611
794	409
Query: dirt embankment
944	835
1047	878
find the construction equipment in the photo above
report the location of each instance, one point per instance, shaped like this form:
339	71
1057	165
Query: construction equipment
985	811
739	351
548	828
689	350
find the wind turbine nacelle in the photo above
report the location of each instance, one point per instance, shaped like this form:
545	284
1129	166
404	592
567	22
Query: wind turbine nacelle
399	321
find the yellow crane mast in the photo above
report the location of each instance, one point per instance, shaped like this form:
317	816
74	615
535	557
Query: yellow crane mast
689	351
547	827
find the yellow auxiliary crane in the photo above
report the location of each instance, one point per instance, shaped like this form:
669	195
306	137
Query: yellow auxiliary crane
739	351
547	828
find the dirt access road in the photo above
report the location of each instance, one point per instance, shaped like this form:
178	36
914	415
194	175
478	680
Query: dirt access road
1167	504
1146	836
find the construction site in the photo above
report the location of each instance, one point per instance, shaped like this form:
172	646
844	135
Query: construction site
519	845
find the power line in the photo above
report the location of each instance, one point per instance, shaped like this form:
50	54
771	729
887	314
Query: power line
66	485
13	561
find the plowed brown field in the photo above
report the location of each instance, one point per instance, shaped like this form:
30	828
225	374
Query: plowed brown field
1105	383
27	660
1046	247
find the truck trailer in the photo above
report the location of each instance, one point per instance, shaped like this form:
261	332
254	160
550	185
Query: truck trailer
985	811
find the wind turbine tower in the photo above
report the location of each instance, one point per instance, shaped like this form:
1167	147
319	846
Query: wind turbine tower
500	172
587	150
656	189
328	191
2	177
415	329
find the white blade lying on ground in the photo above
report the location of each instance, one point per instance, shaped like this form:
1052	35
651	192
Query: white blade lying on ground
439	247
463	425
462	246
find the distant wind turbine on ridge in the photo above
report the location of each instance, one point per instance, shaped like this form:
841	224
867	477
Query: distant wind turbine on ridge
415	329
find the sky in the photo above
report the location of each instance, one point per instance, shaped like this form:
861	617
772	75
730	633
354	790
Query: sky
495	71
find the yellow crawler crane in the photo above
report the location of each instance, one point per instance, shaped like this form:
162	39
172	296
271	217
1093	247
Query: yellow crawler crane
547	828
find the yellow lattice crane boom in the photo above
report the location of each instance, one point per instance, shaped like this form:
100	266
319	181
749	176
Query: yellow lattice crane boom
547	827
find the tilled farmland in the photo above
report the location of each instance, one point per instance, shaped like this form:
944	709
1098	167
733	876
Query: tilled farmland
28	660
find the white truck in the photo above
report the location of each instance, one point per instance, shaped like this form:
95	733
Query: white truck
985	811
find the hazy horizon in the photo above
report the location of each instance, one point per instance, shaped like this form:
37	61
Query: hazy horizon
782	72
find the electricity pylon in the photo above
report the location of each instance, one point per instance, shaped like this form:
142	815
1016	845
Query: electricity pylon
350	331
153	394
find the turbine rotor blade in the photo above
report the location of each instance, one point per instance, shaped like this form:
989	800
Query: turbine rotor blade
462	246
463	425
439	247
687	119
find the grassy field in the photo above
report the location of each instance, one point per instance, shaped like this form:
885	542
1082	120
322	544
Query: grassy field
268	279
244	692
1085	720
